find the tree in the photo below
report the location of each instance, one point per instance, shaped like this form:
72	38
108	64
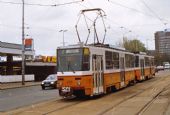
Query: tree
134	45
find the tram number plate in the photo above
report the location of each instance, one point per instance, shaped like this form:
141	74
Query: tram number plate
66	89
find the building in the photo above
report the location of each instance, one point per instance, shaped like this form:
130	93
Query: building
162	42
9	66
151	52
9	51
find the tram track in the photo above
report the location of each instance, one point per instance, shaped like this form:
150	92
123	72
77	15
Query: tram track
64	107
134	95
117	104
147	105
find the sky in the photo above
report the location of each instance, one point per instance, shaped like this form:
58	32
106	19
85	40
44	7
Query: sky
129	18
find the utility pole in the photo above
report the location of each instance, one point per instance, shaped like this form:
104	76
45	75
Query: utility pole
63	36
23	45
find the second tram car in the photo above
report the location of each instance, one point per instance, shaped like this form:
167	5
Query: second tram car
98	69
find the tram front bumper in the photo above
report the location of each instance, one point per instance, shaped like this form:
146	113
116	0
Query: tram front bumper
69	91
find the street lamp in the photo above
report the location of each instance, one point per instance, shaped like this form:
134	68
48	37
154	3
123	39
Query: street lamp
124	33
23	46
63	35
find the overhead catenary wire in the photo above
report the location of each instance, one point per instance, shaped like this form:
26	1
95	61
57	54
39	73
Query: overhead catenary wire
133	9
130	8
76	3
154	13
31	4
115	3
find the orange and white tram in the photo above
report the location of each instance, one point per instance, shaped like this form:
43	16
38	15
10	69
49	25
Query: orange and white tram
144	66
95	69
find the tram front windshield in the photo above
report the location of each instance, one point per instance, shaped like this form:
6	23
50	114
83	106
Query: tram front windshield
69	60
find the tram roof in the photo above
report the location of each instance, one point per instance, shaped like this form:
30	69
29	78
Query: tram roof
99	45
79	45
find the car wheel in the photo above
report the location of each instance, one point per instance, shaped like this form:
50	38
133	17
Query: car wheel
43	88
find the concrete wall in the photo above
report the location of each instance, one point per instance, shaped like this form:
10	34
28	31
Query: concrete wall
15	78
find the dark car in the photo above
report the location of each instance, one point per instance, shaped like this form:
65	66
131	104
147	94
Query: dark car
50	81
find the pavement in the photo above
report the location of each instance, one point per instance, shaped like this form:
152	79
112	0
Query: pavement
4	86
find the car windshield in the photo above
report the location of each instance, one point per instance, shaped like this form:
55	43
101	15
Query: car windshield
51	77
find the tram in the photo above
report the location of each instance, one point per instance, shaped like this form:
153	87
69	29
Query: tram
90	70
144	66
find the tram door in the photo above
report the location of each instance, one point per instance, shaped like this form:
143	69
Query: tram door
97	67
122	71
142	71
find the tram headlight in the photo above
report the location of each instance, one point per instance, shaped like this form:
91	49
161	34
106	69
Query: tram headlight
52	82
78	82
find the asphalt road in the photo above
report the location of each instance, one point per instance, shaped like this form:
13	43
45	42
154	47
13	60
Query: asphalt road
19	97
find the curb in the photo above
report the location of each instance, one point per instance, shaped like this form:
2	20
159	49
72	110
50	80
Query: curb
15	87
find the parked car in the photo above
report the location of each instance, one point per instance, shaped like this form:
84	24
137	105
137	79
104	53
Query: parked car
158	68
50	81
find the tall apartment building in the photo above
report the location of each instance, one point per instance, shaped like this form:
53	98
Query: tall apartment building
162	42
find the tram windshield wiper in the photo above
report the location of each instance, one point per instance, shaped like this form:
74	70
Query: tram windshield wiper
69	66
61	68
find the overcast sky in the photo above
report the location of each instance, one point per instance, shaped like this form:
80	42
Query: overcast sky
44	22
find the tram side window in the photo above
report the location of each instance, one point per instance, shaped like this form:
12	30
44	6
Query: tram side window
86	63
116	60
152	61
137	61
147	61
86	60
109	63
129	59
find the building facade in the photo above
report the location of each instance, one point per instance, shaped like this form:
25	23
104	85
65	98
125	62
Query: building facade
162	42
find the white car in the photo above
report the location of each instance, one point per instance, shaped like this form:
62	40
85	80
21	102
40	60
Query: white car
158	68
167	66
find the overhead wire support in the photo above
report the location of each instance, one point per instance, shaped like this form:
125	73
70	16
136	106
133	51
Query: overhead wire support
100	14
104	30
77	29
87	28
95	31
